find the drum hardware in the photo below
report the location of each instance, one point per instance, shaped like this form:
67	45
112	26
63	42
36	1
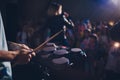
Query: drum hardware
77	58
78	50
63	47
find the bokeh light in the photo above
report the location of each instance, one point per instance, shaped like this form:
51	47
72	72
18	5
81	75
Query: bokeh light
111	23
116	44
116	2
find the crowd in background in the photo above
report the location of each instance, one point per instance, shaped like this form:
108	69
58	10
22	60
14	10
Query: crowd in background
93	38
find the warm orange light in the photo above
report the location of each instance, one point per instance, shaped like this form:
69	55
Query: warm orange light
111	23
116	44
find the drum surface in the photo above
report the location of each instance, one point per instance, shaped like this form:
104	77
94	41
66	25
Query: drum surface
49	49
51	45
61	52
61	63
75	49
61	60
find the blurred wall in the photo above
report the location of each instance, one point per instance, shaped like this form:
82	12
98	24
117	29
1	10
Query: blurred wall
32	9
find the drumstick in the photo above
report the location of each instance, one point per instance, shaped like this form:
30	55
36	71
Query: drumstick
40	46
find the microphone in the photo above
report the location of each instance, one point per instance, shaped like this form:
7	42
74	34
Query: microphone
66	20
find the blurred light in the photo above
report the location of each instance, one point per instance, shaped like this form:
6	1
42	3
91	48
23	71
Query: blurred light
115	2
116	44
111	23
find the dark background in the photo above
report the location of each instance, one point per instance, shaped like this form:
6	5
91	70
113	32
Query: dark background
15	12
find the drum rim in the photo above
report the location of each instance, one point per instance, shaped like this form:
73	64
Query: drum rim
59	59
59	52
49	49
76	50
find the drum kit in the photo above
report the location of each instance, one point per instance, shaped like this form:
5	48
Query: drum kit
49	51
53	56
58	58
55	59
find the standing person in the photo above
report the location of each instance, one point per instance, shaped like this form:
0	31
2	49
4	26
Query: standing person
112	67
21	56
24	35
57	20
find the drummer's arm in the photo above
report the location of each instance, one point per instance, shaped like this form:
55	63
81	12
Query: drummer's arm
8	55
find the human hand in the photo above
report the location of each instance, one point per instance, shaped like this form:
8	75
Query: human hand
24	56
66	14
16	46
